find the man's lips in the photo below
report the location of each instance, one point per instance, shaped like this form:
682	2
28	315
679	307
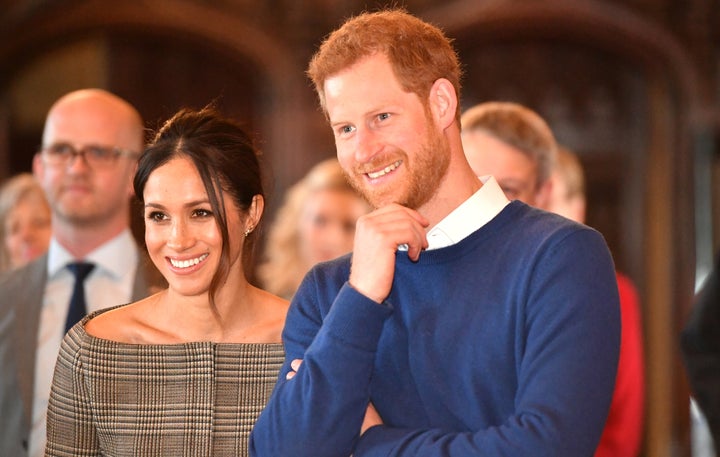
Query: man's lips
384	171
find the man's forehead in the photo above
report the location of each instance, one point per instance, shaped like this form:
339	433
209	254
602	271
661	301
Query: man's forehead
91	126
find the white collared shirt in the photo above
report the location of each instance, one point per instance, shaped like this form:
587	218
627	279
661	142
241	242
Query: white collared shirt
472	214
110	283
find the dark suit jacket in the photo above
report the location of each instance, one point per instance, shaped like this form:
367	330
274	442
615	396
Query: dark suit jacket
700	344
21	297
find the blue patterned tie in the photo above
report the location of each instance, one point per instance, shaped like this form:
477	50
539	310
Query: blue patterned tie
78	309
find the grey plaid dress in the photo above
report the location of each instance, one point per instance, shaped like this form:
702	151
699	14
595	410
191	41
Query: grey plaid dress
192	399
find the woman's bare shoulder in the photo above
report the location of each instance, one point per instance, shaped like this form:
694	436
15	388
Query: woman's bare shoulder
121	324
277	305
274	311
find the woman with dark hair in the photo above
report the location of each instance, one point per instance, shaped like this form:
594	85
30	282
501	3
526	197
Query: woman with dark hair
185	371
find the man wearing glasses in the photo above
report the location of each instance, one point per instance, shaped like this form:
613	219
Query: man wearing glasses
90	146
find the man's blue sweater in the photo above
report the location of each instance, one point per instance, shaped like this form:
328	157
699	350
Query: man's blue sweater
504	344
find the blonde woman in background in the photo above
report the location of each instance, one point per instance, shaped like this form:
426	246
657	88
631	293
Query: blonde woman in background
25	221
316	223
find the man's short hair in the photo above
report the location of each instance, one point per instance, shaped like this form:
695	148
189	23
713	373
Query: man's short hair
517	126
419	52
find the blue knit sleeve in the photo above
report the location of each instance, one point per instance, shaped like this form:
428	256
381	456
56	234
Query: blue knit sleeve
319	412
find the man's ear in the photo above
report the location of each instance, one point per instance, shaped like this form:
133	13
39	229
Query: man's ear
38	168
543	195
131	189
443	102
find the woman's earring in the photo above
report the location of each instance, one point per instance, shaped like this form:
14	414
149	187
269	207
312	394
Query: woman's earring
248	231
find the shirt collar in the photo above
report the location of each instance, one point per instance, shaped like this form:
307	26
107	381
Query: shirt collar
473	213
115	257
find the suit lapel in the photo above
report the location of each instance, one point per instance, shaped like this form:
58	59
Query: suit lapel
29	299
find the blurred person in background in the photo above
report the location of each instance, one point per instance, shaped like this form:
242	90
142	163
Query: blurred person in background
90	145
515	145
316	223
700	345
24	221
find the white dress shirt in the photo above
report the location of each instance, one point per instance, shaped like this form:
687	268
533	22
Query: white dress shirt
109	283
472	214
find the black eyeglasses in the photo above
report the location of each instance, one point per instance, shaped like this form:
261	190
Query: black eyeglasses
61	154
